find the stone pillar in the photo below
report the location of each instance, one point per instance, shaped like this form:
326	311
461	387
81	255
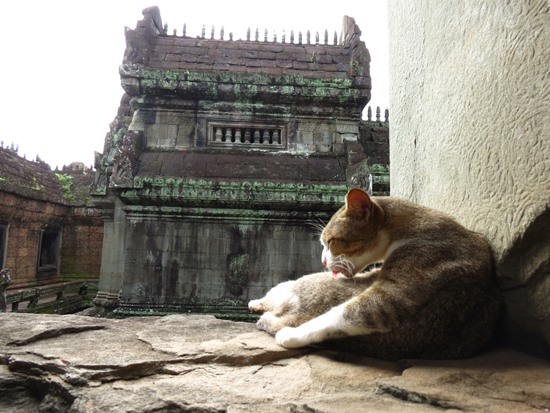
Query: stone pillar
112	258
5	281
471	136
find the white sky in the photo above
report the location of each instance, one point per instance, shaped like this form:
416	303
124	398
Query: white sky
60	86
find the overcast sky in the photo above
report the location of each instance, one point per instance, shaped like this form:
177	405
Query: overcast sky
59	68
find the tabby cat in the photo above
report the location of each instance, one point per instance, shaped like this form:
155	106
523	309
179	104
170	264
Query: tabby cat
433	296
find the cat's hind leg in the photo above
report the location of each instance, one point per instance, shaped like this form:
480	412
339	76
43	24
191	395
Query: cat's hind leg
332	324
271	323
278	300
327	325
278	308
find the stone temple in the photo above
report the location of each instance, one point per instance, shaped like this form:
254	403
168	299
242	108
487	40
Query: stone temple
223	161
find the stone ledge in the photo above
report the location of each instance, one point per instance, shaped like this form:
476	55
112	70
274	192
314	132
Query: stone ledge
270	86
173	191
199	363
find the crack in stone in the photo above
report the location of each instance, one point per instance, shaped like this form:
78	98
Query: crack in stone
44	335
134	371
82	375
524	402
300	408
413	397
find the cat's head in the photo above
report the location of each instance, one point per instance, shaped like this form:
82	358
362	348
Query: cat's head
354	237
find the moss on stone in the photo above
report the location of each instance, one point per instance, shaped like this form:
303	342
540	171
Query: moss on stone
172	78
238	274
66	182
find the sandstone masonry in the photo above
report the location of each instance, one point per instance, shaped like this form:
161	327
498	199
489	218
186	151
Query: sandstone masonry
223	157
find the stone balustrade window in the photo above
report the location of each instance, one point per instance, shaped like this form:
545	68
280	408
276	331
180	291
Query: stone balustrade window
246	136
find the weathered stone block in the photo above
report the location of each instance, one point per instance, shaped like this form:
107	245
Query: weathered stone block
480	153
277	48
337	147
304	137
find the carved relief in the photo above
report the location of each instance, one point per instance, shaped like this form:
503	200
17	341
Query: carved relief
360	176
313	127
138	41
126	160
190	191
104	162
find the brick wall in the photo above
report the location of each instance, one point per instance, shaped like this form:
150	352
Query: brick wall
81	240
26	218
374	136
82	244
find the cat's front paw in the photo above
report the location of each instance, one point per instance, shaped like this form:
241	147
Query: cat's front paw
290	337
264	323
256	306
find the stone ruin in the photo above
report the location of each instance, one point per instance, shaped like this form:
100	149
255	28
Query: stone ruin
49	232
199	363
224	159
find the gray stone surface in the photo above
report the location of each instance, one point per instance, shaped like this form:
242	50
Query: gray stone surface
471	135
198	363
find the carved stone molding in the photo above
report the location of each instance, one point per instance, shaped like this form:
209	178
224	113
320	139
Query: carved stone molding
247	194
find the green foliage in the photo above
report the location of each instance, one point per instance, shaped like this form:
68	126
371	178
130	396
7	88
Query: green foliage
66	182
36	186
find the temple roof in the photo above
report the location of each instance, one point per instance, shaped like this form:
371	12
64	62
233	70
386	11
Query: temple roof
35	180
319	61
235	112
197	68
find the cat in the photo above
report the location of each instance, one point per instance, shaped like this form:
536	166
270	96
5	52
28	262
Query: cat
434	295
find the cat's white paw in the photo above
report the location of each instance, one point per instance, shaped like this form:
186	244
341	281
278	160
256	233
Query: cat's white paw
290	337
268	323
256	306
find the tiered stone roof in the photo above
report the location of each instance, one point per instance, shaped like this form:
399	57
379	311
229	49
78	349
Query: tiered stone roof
333	77
308	60
36	180
183	90
29	179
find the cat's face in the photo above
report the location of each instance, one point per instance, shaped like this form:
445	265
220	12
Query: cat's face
353	238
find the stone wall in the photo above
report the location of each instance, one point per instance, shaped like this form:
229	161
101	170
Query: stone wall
198	261
43	213
82	244
26	218
80	249
471	135
199	243
374	136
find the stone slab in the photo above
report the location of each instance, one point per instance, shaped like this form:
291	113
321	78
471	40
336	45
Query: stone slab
198	363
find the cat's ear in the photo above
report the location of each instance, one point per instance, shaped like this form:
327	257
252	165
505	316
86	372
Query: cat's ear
358	203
